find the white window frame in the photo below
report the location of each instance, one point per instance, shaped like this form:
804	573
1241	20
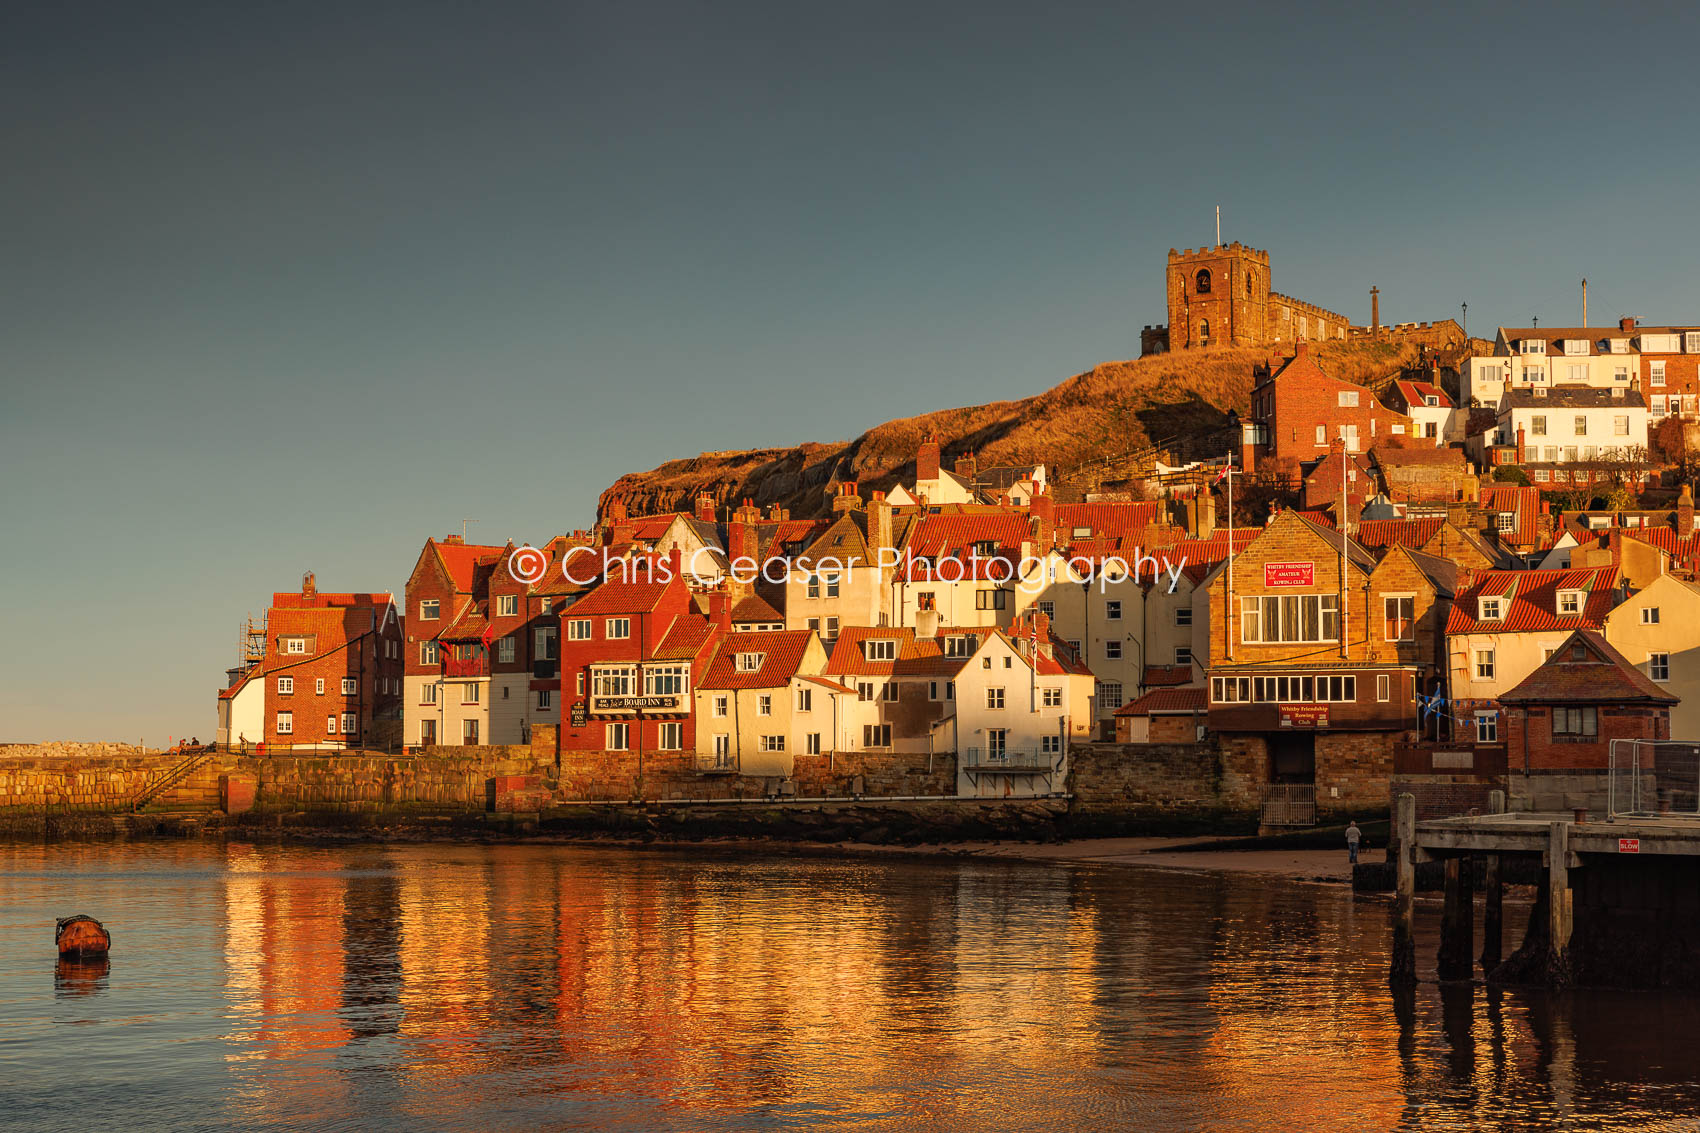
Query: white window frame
578	629
1487	727
1658	667
286	686
285	723
617	629
670	736
507	605
617	736
994	697
350	686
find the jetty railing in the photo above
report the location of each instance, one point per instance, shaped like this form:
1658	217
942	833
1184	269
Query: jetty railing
1289	804
1647	777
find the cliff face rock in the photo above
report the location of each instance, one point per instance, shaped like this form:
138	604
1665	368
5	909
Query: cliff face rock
1113	409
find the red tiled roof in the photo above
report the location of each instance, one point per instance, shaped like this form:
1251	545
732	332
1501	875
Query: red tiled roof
1606	675
1320	518
916	656
954	536
753	609
1530	600
1119	521
685	638
1524	503
627	591
1160	676
1412	533
294	600
462	561
782	651
1165	700
828	683
1414	392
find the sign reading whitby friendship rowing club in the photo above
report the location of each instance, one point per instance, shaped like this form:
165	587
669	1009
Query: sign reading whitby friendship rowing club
1289	574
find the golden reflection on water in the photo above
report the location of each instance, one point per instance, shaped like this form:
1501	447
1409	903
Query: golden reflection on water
490	987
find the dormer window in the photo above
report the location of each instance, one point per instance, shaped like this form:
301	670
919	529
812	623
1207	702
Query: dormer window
1541	391
1569	602
880	649
748	662
1691	342
1430	399
1620	346
1576	346
1082	533
985	548
959	645
1532	346
1492	608
1505	521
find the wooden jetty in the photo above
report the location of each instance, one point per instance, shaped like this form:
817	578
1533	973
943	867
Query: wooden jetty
1618	903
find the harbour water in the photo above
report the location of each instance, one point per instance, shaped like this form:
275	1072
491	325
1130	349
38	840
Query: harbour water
565	987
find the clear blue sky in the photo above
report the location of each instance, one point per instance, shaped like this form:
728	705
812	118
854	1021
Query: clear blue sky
293	286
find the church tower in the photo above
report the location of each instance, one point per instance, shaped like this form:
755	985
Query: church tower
1218	296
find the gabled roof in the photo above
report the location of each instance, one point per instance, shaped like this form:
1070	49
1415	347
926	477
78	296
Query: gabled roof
916	656
1164	676
1165	700
685	638
1523	502
1442	574
1414	393
944	536
1411	533
781	653
753	609
461	561
843	543
1530	600
1355	553
627	591
1603	674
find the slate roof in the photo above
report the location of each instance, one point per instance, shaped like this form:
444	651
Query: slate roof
1571	397
1605	675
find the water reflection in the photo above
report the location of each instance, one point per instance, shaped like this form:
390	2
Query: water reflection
74	978
511	987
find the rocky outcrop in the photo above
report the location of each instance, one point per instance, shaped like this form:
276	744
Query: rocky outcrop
1115	408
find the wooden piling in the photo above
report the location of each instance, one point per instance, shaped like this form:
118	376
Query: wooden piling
1559	912
1457	921
1493	906
1403	969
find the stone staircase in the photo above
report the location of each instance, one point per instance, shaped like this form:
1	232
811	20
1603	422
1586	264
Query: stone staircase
196	792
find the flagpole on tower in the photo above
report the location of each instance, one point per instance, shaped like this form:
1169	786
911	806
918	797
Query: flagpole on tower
1219	230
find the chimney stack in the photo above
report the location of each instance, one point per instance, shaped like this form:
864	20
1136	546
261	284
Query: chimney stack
705	507
720	609
967	466
927	459
1519	444
847	498
1042	514
879	525
1684	512
310	590
1626	324
1375	308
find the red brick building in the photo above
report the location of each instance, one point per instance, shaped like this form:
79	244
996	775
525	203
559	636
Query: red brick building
330	675
1564	715
1298	411
631	654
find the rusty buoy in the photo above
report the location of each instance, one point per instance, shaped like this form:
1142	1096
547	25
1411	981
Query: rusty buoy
82	936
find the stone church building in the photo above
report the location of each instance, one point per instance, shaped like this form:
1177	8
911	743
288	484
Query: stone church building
1220	296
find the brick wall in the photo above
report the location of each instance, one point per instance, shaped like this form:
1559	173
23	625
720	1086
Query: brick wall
1529	735
1444	796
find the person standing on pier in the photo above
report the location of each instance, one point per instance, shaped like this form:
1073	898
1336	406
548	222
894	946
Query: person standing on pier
1353	836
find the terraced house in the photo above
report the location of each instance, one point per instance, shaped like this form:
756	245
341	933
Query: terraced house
328	674
762	701
1503	625
447	683
632	652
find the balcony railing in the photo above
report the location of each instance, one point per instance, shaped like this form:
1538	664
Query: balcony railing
466	666
717	764
1010	761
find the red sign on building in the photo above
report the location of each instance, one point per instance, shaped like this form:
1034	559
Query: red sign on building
1629	845
1289	574
1304	715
